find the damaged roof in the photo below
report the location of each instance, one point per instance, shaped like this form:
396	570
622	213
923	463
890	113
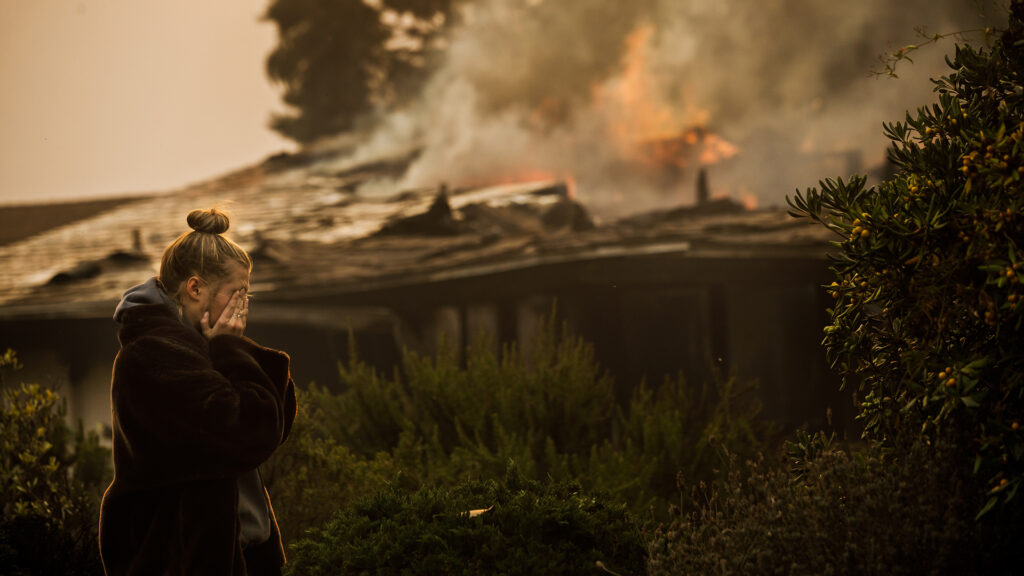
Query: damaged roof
310	232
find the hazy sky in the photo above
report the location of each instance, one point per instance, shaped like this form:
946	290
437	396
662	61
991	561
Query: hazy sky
106	97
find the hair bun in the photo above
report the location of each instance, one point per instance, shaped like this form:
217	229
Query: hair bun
210	221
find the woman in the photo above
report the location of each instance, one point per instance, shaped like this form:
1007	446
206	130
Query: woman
196	409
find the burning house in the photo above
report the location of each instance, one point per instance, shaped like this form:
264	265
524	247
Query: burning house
627	174
682	291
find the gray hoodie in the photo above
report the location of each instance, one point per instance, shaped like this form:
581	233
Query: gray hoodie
149	292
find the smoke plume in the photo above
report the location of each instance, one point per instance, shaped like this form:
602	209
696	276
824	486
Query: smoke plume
586	89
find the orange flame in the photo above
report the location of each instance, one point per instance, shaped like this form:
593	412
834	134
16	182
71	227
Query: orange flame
646	128
715	149
642	115
679	150
650	133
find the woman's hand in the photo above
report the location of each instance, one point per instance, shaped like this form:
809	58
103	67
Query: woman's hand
232	319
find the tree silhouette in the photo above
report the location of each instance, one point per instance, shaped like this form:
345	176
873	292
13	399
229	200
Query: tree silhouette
335	62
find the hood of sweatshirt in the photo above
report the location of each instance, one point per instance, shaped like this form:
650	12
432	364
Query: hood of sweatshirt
149	292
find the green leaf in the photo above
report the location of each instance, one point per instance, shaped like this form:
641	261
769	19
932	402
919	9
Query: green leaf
969	401
988	506
973	366
1012	491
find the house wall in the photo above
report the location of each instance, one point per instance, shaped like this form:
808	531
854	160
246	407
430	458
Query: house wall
648	319
651	318
74	356
71	355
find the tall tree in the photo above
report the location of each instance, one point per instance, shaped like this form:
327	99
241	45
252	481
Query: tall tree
335	58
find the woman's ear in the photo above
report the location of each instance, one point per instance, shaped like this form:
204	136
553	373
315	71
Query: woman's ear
193	287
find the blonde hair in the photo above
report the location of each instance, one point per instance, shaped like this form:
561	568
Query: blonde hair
202	252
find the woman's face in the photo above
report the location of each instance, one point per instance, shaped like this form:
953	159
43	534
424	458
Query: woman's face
222	290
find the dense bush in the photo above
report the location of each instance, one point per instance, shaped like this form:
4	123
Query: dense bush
927	326
928	313
511	527
555	415
49	492
310	477
863	513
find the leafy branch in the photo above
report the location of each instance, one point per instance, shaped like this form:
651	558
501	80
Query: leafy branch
890	60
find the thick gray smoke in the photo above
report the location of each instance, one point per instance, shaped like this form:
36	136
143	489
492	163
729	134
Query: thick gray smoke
581	88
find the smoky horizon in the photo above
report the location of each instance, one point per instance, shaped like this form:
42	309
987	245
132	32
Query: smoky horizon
626	101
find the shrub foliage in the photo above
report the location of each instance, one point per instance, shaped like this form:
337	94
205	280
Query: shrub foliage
310	477
49	492
437	423
514	526
841	513
929	288
927	327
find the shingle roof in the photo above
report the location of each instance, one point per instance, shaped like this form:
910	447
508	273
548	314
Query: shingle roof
307	230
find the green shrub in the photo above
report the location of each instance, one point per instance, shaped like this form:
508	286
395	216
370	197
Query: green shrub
511	527
680	432
927	327
49	495
860	513
929	279
555	415
310	476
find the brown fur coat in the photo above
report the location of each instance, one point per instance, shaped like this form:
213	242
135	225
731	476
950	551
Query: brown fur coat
189	416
